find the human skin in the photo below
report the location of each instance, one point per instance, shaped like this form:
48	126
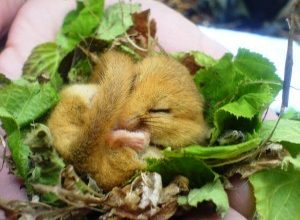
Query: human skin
8	11
174	32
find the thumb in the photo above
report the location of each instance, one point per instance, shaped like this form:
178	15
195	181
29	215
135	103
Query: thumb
8	10
38	21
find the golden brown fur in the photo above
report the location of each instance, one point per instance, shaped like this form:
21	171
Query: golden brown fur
165	101
156	96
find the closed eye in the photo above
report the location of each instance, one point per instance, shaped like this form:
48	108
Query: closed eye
160	110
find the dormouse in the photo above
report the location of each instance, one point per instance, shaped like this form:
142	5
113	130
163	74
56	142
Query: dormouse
104	127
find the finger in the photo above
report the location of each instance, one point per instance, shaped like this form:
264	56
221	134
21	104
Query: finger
233	215
241	197
207	211
176	33
8	10
11	62
37	22
9	184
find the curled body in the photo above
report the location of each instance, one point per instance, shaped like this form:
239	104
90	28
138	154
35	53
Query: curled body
104	127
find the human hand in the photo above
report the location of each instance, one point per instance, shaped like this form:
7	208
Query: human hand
28	30
38	21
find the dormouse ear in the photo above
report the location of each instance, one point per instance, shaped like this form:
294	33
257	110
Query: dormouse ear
111	63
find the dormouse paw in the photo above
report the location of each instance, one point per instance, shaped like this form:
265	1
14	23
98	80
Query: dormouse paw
137	140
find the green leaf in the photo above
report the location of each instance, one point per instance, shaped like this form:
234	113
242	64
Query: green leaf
8	121
287	130
27	102
241	90
80	23
291	114
257	67
293	149
4	80
244	113
247	106
130	52
46	165
20	153
48	171
195	170
203	59
214	152
43	61
277	194
287	133
116	21
80	72
221	72
213	192
291	161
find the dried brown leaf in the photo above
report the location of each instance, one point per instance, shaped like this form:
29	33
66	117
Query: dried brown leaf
27	210
141	36
144	198
270	157
143	25
189	62
70	197
152	190
180	184
116	197
167	211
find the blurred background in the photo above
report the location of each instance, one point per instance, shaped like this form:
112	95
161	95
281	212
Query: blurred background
258	25
266	17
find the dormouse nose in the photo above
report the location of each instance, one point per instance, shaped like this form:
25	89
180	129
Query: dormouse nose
131	122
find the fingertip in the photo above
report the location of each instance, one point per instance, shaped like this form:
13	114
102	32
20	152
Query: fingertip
11	63
234	215
241	196
8	10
